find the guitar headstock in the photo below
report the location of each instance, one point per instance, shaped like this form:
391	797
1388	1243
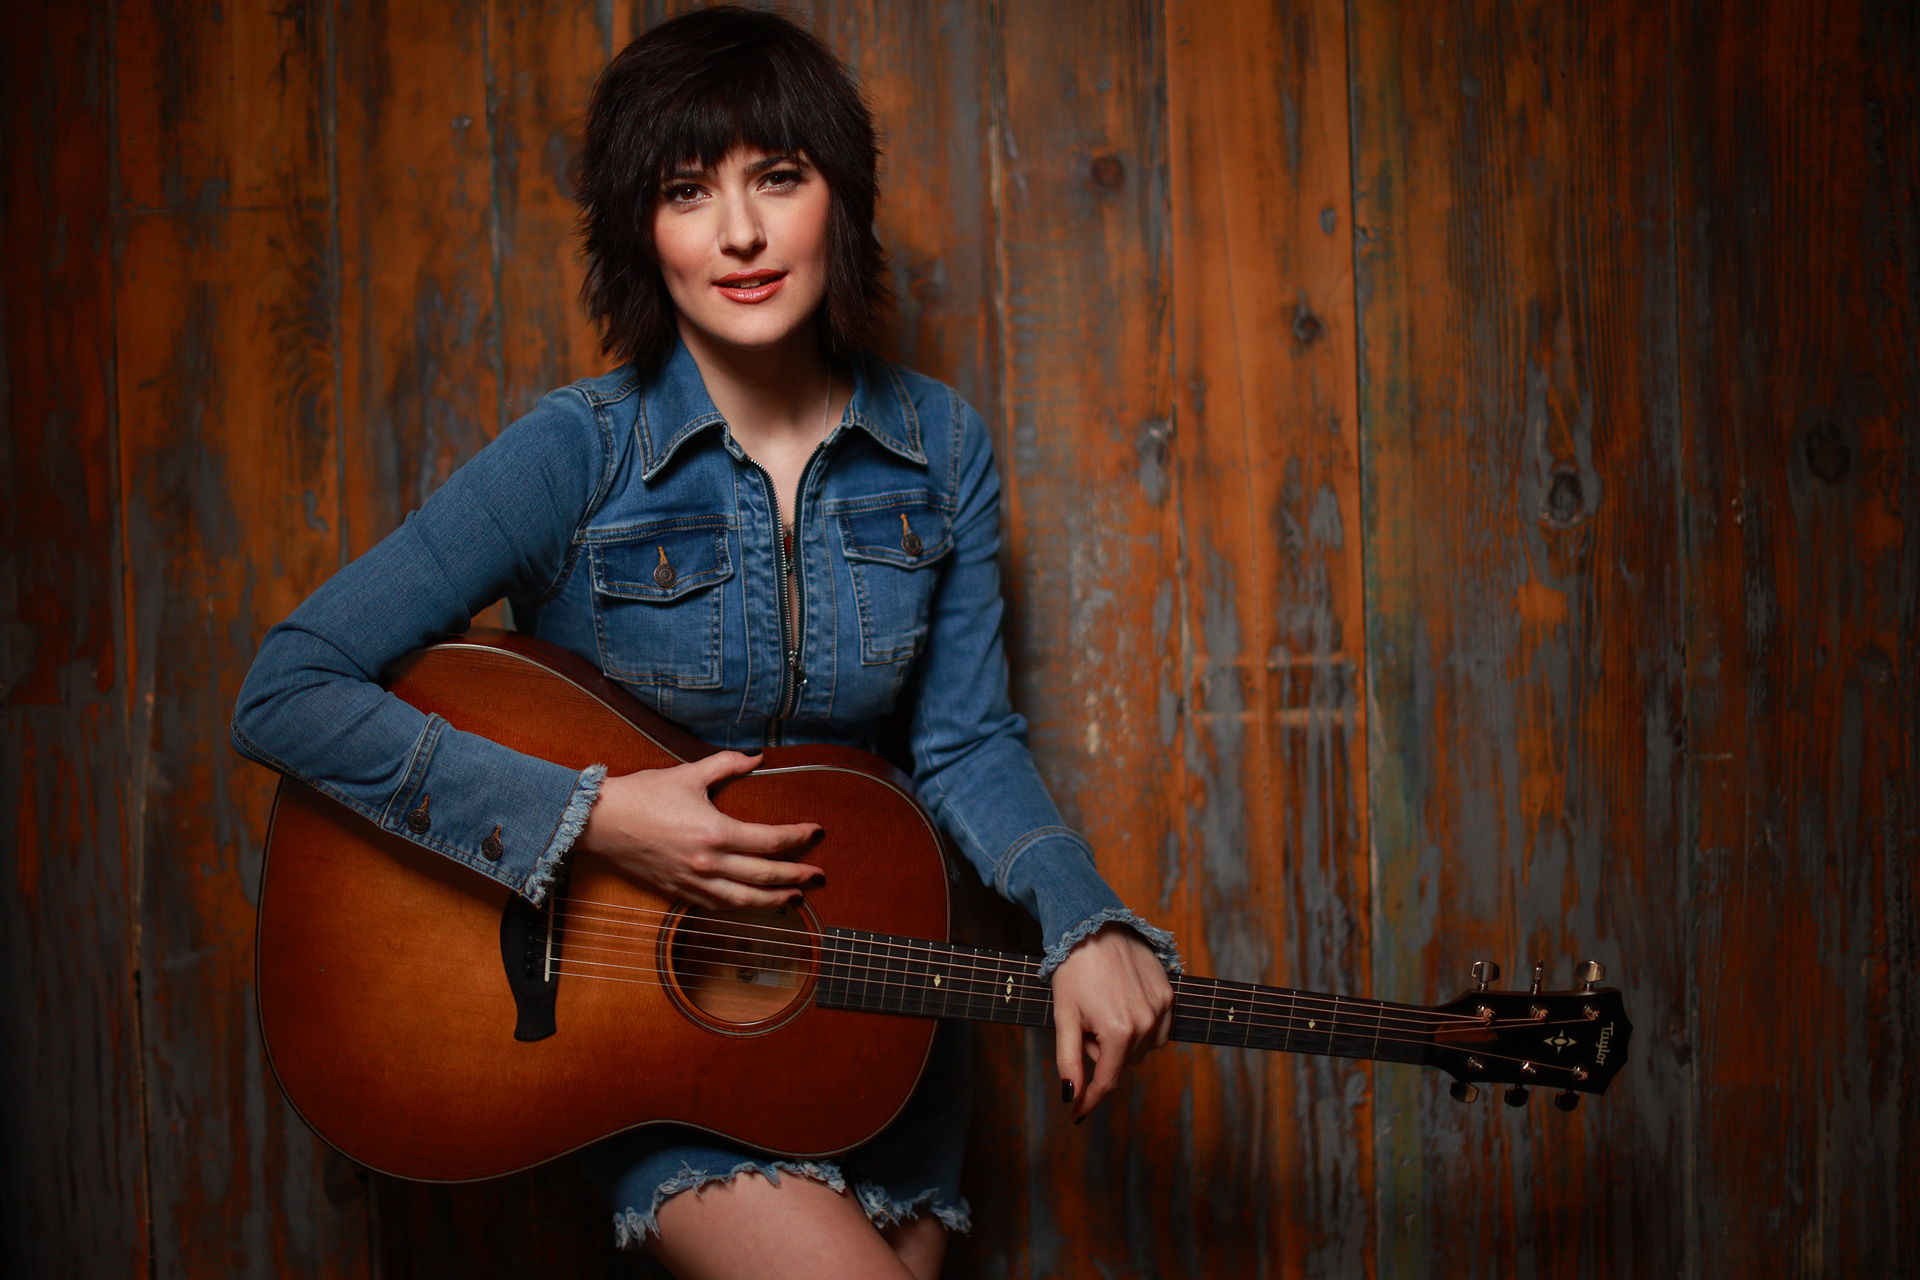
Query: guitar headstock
1571	1041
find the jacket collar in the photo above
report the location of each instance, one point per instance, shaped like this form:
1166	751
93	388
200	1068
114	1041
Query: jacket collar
675	407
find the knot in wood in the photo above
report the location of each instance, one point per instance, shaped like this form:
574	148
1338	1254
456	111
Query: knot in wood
1827	453
1566	502
1108	173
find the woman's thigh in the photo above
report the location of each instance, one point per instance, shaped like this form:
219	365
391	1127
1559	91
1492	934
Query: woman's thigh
794	1230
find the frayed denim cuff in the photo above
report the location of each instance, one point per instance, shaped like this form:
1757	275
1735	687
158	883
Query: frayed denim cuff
1050	872
1159	939
573	820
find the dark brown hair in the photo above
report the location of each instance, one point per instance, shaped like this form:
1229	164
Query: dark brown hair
692	89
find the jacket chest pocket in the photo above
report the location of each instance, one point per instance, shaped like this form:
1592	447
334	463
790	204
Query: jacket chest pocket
892	547
657	601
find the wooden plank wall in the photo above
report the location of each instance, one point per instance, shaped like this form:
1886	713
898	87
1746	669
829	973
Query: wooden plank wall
1461	480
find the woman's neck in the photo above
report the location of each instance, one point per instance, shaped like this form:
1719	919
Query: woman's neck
769	394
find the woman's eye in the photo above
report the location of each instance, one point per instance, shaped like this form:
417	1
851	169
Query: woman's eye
685	193
782	179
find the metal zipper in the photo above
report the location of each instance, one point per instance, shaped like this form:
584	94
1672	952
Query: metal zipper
789	700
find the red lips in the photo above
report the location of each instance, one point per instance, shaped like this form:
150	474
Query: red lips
750	286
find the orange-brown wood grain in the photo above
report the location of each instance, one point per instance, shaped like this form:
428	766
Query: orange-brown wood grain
927	76
542	60
221	107
73	1187
1093	583
1798	188
1524	633
420	354
1266	462
225	400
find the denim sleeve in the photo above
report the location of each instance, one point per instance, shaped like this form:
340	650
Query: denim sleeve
311	706
970	757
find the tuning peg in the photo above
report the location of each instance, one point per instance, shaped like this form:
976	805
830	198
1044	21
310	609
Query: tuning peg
1566	1100
1589	972
1485	971
1462	1091
1539	971
1517	1096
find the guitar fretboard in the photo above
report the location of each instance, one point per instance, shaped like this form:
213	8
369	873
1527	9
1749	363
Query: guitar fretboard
879	973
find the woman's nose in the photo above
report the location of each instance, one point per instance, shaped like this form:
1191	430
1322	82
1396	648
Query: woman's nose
740	229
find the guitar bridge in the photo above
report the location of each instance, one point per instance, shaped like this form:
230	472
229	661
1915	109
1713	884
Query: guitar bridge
530	952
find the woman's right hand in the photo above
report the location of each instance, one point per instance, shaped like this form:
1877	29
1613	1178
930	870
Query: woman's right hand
660	827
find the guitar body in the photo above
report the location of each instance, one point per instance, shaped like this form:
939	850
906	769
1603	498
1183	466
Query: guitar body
383	987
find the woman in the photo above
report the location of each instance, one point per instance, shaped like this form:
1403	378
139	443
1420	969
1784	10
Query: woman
769	536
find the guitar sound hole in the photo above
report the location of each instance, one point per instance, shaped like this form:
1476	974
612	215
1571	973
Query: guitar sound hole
743	972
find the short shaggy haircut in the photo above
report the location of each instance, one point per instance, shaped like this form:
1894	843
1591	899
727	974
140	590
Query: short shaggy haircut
692	89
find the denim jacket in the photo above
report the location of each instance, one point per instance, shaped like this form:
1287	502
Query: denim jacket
623	522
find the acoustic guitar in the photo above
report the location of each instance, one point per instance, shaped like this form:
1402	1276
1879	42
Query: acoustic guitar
433	1026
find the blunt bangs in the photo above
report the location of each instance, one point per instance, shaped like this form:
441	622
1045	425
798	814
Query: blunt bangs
691	90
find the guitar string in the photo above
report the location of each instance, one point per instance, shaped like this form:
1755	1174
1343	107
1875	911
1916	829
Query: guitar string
1205	1003
770	931
1329	1038
1201	1002
771	934
1355	1009
993	992
1216	999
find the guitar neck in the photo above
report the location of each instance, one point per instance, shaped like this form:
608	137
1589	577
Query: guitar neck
878	973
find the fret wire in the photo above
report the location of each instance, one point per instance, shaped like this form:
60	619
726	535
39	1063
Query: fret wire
867	984
910	992
889	993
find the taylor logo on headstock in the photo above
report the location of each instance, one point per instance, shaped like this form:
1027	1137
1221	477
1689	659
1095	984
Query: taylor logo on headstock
1606	1038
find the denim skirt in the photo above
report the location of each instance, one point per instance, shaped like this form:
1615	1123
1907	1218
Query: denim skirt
909	1168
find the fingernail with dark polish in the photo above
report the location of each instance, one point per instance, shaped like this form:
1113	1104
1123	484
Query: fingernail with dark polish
814	882
1078	1119
817	836
1066	1091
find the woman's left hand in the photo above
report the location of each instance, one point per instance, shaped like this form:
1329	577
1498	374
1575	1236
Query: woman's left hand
1111	1003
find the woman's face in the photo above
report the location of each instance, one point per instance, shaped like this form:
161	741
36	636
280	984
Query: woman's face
743	247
